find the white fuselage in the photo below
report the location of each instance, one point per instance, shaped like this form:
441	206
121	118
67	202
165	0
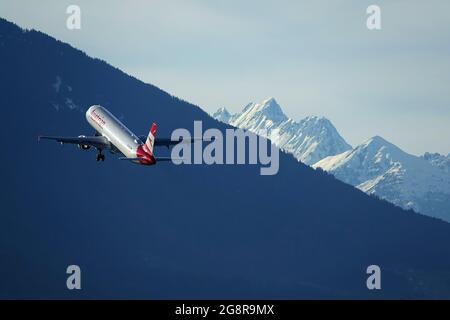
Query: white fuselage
110	127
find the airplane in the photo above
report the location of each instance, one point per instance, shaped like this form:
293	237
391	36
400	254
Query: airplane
113	135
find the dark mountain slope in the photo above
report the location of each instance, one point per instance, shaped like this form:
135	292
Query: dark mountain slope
179	231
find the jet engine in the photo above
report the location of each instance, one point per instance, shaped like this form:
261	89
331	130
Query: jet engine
83	146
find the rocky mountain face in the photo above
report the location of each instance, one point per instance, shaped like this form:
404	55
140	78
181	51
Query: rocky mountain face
381	168
309	140
438	160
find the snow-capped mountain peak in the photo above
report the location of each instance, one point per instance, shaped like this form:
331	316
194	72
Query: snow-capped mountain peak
270	108
379	167
309	140
377	141
261	115
370	158
222	115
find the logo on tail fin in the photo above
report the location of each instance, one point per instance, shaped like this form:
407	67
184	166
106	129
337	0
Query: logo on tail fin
148	146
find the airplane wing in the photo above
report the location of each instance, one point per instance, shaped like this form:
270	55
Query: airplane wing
99	142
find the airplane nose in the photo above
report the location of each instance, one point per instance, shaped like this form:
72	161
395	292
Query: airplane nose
88	112
91	108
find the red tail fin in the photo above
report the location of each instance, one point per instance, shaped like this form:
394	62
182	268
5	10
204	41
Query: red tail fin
150	139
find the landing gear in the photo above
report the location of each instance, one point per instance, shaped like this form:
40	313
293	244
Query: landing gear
100	156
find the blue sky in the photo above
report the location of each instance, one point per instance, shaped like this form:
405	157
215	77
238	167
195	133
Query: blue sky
314	57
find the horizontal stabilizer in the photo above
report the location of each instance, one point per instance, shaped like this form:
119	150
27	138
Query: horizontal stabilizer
164	159
167	142
156	158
